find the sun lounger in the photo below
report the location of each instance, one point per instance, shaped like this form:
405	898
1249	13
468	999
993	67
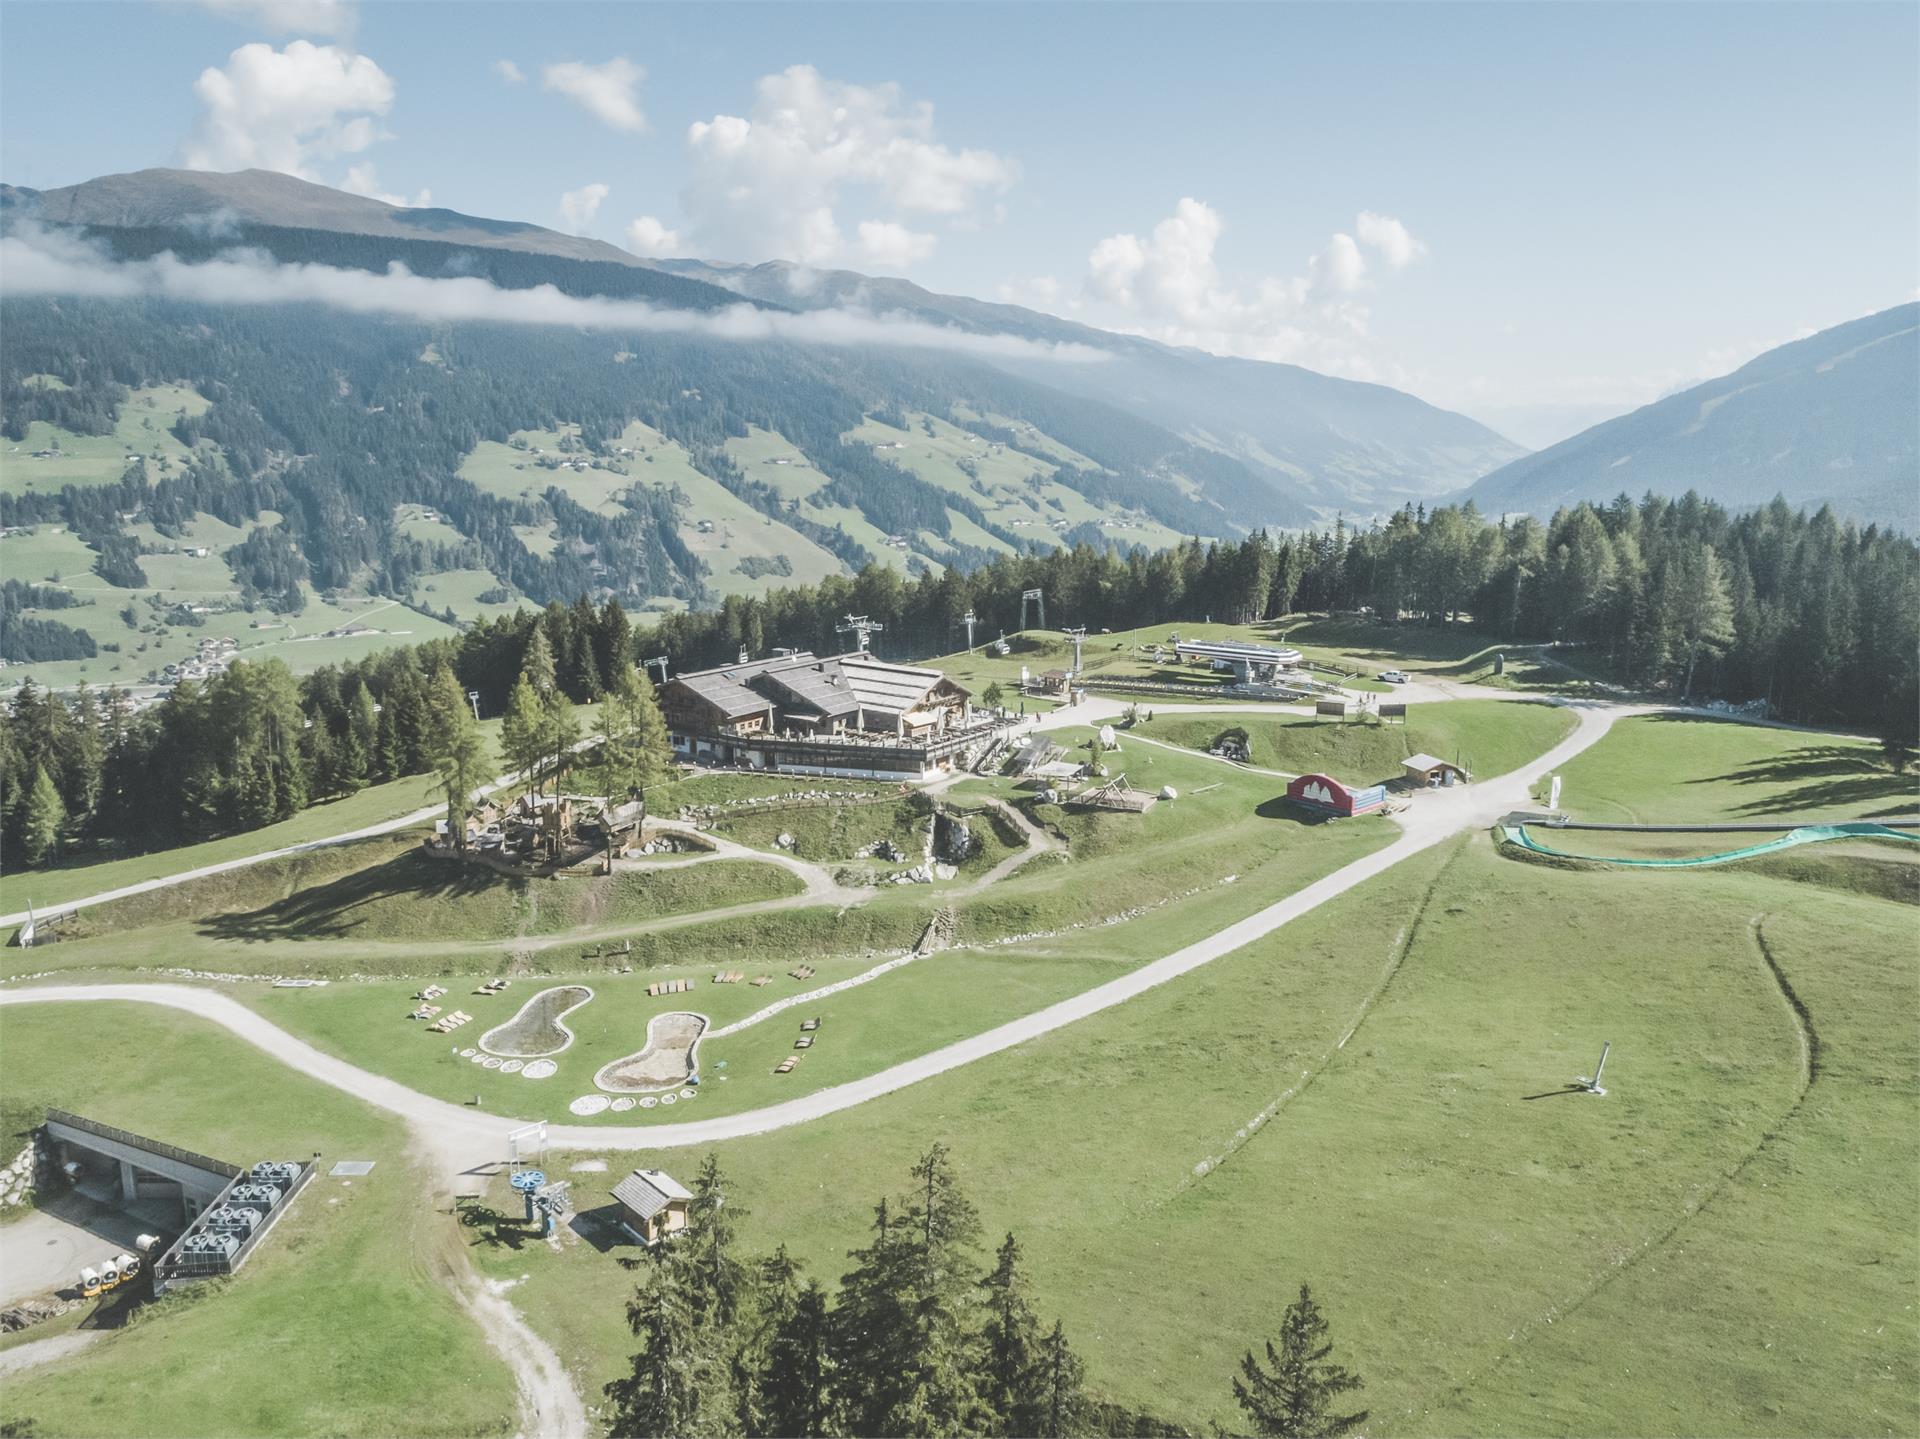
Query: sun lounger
762	979
805	1041
809	1024
785	1066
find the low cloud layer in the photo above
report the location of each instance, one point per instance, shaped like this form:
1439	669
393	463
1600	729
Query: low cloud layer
37	262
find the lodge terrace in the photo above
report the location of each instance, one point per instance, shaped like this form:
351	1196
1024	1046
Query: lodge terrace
849	716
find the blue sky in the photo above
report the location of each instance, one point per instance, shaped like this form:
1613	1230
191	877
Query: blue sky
1535	213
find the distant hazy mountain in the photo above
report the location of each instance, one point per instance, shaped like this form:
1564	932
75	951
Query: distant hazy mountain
1319	444
1831	419
1337	444
211	202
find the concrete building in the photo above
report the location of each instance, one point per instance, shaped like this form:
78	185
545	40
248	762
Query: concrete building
135	1173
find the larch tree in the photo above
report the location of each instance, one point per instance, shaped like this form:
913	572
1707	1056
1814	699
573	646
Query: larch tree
1701	610
44	821
523	738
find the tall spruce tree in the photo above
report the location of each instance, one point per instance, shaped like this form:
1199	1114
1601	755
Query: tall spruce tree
1012	1339
1293	1397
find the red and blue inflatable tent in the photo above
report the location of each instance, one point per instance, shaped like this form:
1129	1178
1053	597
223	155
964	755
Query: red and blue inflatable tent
1328	795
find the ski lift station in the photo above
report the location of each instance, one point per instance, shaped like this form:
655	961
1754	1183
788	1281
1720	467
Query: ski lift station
1249	664
1328	796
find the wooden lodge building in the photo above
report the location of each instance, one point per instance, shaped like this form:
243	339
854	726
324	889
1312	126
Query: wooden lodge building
849	716
652	1205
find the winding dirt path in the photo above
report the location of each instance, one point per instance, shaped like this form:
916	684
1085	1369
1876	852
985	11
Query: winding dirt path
464	1139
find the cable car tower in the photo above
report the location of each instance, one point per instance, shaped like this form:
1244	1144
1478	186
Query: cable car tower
1078	637
968	620
861	628
1037	597
660	660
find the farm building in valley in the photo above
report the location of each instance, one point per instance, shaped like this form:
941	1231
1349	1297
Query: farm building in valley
848	715
1329	796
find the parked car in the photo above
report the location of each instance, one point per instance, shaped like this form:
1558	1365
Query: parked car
1394	677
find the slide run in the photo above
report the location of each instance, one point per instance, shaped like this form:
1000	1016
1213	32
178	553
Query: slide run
1805	834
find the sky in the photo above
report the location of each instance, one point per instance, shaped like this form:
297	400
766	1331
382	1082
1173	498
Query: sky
1539	214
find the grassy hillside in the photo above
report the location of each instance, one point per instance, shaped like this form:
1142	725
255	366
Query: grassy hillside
142	429
1450	1225
1489	737
1675	769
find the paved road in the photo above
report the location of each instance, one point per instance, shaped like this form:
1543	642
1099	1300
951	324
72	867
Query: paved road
465	1139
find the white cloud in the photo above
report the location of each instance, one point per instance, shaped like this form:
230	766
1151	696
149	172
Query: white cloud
891	246
651	240
1340	266
334	19
578	207
35	262
610	92
509	72
1391	238
362	180
287	109
1038	292
769	185
1169	285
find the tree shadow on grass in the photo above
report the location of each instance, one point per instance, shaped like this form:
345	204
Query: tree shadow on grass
336	910
1818	775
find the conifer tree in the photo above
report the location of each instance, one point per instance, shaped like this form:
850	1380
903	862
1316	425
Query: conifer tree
44	822
523	733
1009	1376
798	1386
1293	1397
1059	1403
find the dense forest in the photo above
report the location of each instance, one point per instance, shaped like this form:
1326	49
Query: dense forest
1677	598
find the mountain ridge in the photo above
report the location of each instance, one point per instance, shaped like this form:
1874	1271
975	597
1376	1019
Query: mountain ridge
1825	419
1321	443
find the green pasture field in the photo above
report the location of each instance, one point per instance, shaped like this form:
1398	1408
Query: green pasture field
142	427
1680	769
460	591
377	803
1489	737
1015	490
517	474
344	1323
1668	1259
799	482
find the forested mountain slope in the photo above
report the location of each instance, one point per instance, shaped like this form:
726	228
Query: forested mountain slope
1335	444
1830	419
1315	444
